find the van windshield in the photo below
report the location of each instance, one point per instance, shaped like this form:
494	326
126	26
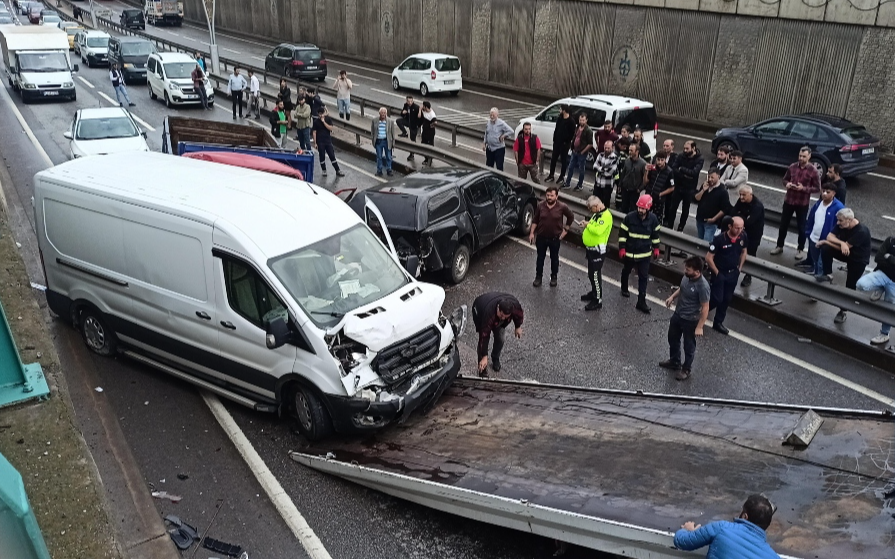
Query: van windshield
43	62
98	42
179	70
137	49
339	274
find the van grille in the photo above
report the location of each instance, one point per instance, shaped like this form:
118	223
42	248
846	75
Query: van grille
50	86
405	357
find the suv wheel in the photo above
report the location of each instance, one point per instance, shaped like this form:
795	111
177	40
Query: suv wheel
424	89
459	264
729	145
98	336
314	422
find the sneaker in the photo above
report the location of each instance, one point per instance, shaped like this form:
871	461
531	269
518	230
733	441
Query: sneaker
669	364
594	305
340	174
566	185
804	264
776	251
579	187
390	173
378	173
882	339
800	254
552	281
536	282
403	135
323	173
341	115
495	364
840	317
823	278
876	295
549	179
683	374
720	328
131	104
589	296
626	293
642	306
747	281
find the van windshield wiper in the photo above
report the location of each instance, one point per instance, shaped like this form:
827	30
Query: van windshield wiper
329	313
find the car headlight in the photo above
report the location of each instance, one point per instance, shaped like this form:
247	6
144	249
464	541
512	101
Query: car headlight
67	85
458	320
128	65
29	86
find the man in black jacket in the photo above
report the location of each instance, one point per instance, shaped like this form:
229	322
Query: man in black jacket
750	208
686	174
492	313
638	242
316	103
713	204
881	284
660	183
562	140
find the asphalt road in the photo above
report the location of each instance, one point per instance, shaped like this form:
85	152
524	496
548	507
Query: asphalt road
169	429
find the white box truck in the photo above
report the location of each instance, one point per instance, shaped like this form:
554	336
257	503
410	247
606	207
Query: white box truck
262	289
36	61
166	12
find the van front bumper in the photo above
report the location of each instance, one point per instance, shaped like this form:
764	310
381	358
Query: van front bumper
66	93
359	415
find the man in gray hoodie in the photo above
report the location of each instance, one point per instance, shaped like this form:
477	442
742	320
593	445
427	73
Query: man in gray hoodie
494	147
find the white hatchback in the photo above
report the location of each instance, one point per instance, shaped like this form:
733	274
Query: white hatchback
429	73
103	131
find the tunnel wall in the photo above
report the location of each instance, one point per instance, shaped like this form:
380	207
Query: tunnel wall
696	59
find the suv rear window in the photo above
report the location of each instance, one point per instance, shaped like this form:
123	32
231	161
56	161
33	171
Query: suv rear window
856	133
447	64
645	119
307	55
132	13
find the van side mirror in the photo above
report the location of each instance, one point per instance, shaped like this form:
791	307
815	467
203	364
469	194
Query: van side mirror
67	134
75	68
278	333
412	265
143	133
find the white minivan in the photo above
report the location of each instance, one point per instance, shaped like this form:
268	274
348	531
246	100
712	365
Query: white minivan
169	77
429	72
262	289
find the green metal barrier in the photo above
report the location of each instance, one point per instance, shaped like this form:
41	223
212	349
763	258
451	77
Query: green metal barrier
18	382
20	535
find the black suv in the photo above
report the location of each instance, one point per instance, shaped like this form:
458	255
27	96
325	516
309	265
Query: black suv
297	61
132	19
832	139
131	55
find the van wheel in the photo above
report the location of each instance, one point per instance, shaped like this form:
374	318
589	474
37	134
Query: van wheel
525	219
98	336
459	264
314	422
424	89
152	94
455	93
168	102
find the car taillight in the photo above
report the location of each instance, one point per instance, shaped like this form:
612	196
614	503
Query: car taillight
848	148
298	63
433	74
656	129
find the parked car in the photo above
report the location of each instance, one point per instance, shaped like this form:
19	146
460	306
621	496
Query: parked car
93	47
636	113
429	72
131	54
832	139
440	217
303	60
132	19
103	131
169	76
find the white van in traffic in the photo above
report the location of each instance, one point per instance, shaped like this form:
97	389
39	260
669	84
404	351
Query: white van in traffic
265	290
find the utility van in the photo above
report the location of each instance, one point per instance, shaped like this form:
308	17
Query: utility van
265	290
36	62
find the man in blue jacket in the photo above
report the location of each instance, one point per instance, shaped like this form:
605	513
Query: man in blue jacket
821	220
743	538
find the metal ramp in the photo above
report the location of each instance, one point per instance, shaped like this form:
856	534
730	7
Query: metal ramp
18	382
620	471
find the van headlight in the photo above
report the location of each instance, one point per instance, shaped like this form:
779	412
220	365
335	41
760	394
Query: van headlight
68	85
29	86
128	65
173	86
458	320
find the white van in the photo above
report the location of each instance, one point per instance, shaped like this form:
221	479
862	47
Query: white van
265	290
169	77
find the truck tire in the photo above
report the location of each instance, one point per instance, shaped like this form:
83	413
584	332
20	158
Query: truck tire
97	334
314	422
459	264
525	219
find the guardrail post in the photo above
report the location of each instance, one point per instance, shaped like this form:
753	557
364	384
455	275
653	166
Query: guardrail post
768	298
357	139
666	260
363	102
454	135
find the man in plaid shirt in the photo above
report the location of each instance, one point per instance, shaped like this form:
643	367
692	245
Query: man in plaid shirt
801	181
605	167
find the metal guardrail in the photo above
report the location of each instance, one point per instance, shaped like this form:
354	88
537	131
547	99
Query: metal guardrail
774	275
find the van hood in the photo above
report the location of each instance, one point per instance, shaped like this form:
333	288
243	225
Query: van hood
396	317
46	78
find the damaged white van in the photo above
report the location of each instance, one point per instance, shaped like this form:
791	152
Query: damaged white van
265	290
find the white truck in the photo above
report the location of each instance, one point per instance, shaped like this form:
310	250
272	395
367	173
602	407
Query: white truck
167	12
36	62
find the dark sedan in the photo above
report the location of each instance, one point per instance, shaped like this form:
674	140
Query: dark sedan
442	216
832	139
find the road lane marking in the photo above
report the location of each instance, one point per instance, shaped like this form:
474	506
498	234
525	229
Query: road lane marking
359	67
27	129
138	119
87	83
109	99
258	58
518	102
890	218
272	488
441	108
145	124
749	341
231	50
688	136
878	175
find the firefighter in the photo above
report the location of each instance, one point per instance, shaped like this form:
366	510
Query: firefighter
638	240
595	238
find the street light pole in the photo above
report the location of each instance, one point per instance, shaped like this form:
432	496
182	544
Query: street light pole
209	6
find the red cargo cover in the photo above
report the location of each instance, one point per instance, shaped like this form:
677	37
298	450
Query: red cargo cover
248	161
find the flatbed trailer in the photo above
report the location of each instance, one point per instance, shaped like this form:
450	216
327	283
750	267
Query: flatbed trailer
620	471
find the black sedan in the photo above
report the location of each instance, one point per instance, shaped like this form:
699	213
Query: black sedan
441	217
832	139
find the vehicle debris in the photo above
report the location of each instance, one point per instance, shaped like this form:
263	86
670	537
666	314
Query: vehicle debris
182	533
218	546
166	495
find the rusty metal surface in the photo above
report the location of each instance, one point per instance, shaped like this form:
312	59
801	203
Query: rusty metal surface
187	129
651	462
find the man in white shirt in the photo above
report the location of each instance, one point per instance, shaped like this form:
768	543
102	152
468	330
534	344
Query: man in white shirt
254	95
236	86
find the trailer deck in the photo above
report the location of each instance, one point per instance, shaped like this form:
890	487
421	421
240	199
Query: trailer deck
621	471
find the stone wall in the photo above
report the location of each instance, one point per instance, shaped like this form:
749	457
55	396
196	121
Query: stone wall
700	60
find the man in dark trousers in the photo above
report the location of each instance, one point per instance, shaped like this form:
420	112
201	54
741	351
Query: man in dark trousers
660	183
408	119
686	174
316	103
727	253
492	313
689	317
848	242
548	229
801	181
562	142
638	240
751	210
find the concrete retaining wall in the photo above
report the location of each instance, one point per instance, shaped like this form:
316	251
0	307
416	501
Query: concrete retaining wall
702	61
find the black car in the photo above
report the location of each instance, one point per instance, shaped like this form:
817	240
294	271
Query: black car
832	139
132	19
442	216
131	55
297	61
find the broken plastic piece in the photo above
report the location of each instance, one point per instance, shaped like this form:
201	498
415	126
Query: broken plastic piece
166	495
98	389
183	534
227	549
183	477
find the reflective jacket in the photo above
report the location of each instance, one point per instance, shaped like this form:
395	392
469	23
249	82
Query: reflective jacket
638	237
739	539
596	233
